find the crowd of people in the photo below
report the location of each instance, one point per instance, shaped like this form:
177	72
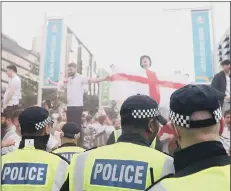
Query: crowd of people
91	126
133	162
138	150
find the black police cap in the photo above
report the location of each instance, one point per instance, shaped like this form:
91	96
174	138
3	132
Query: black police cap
34	119
191	98
70	130
139	108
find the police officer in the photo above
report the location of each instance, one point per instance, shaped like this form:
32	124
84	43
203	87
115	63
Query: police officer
156	144
70	136
202	163
129	164
31	167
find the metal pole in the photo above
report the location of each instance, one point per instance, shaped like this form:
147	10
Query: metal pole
215	63
90	67
41	66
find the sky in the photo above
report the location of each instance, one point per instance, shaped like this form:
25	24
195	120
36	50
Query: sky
119	33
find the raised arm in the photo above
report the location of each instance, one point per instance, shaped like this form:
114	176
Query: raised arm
7	142
59	85
97	80
52	82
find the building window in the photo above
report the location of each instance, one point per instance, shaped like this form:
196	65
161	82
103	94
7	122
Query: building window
16	60
21	72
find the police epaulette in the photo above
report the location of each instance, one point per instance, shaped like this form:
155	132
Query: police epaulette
61	157
90	149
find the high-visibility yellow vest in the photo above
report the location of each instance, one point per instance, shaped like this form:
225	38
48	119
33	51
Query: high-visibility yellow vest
118	167
211	179
118	132
30	169
68	151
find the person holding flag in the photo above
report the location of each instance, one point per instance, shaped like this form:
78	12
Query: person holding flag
75	91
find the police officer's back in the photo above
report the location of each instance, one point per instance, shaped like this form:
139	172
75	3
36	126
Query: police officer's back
130	163
202	163
114	136
69	139
31	168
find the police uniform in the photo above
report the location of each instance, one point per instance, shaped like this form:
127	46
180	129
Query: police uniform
67	150
203	166
127	164
31	167
117	133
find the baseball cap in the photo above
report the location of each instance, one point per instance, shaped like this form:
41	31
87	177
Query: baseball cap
70	130
33	119
138	108
192	98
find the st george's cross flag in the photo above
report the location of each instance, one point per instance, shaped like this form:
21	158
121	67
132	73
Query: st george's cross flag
126	82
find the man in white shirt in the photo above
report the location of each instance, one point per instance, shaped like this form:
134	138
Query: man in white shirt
225	137
226	105
75	91
10	133
12	95
221	82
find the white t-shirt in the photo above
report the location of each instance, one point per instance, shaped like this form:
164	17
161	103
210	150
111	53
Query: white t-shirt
227	92
75	90
225	139
16	82
11	133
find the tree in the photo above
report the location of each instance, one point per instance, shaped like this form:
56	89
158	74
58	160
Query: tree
30	86
91	103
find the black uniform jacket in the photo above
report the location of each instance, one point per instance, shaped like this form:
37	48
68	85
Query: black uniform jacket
133	138
200	157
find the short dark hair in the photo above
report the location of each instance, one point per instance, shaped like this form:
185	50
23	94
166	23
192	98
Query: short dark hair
225	62
38	133
88	118
72	64
3	114
16	113
145	56
139	127
12	67
8	114
48	103
227	112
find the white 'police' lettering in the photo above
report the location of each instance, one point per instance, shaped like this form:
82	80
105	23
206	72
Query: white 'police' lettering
67	155
119	173
24	173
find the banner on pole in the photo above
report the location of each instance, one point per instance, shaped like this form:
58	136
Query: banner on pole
203	64
53	41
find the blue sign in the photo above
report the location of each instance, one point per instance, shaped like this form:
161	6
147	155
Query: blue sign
53	50
119	173
24	173
203	63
